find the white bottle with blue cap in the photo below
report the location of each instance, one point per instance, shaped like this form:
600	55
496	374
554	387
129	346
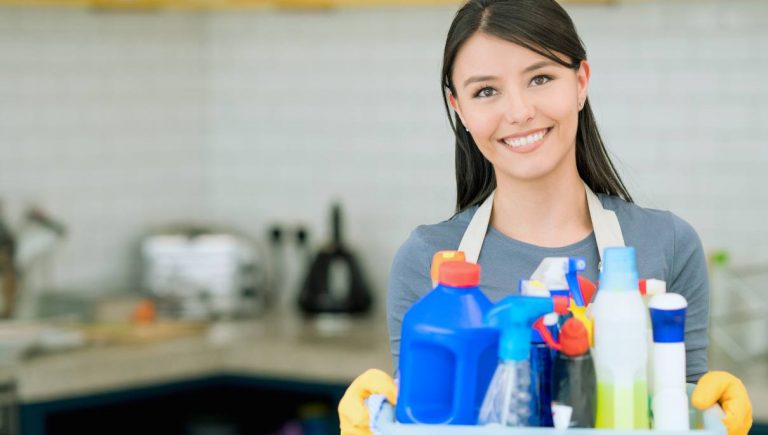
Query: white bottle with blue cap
621	344
670	402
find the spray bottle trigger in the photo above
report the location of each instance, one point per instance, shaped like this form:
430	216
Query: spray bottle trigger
575	265
545	334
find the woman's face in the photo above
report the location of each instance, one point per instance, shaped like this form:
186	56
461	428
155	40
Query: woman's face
520	107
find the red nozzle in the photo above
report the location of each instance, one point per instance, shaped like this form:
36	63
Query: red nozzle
573	338
587	289
562	304
545	334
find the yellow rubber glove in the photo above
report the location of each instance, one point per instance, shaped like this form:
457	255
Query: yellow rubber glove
353	413
729	391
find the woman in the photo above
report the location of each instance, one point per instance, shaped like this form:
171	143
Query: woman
534	180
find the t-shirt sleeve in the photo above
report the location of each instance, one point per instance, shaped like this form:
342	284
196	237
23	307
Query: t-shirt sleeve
409	278
689	278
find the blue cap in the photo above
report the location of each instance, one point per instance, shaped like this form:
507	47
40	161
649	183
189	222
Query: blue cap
619	271
668	318
514	316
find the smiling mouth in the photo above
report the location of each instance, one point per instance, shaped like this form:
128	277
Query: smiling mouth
526	141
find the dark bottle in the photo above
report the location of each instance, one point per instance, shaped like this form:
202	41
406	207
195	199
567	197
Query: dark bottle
573	375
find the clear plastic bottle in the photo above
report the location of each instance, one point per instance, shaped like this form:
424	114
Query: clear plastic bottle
508	399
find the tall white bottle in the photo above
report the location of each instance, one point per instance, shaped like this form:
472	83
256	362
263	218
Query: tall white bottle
620	344
670	402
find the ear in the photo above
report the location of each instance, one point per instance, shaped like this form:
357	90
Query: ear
582	78
455	105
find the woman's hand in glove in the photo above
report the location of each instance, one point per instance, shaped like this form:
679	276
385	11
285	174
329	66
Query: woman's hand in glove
353	412
729	391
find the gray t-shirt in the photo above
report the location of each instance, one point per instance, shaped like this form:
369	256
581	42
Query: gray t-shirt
667	247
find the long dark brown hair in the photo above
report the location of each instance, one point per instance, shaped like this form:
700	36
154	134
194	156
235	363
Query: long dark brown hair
545	28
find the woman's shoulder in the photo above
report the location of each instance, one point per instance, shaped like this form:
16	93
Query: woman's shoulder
650	224
441	236
410	270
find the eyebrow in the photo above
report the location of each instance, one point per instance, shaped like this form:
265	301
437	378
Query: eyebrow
539	65
534	67
476	79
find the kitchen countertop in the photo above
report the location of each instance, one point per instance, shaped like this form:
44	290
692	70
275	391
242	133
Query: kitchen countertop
279	345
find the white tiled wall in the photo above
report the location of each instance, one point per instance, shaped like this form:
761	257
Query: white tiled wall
103	122
680	92
118	121
312	108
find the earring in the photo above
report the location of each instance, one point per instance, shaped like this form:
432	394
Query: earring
465	128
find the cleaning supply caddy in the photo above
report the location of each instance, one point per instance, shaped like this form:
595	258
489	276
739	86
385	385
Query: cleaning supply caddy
708	422
465	363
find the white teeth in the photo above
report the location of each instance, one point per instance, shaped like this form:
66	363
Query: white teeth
525	140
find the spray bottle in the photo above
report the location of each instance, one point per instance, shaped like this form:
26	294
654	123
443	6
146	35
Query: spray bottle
541	381
541	358
555	276
620	349
670	402
560	276
508	400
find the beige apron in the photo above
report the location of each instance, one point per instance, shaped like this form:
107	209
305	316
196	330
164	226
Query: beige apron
604	223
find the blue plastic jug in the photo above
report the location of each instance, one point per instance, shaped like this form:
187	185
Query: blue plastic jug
447	353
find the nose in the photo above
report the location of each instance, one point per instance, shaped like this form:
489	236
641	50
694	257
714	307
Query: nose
518	108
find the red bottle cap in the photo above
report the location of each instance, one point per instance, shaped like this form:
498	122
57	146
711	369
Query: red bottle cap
441	257
459	274
573	338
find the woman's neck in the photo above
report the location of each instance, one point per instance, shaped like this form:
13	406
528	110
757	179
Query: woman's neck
549	212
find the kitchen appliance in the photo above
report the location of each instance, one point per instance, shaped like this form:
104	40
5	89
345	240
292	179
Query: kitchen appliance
202	272
8	271
26	256
335	282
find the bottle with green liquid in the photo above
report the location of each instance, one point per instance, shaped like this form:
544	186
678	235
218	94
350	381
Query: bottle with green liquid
620	344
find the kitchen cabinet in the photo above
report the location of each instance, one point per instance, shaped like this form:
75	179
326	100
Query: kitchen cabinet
236	377
247	4
224	404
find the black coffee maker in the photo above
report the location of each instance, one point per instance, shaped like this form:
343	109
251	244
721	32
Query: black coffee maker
335	282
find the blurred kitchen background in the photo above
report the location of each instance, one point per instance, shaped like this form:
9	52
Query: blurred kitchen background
118	121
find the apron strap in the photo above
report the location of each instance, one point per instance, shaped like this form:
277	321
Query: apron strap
605	224
473	238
